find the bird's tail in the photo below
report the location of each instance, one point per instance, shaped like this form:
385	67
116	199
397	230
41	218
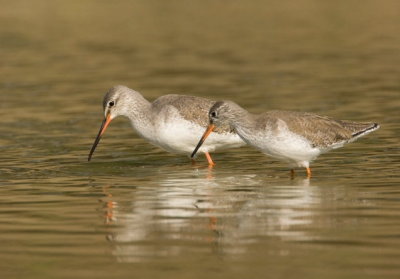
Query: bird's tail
359	129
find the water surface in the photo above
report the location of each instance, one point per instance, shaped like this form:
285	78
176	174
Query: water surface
137	211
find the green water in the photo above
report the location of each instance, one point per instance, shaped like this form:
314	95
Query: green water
136	211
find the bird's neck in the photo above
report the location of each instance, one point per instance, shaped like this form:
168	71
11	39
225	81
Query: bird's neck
139	113
244	124
241	117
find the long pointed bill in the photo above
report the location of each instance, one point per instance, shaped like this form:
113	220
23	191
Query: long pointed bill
103	128
210	128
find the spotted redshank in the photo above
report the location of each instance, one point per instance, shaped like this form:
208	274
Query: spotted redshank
172	122
294	137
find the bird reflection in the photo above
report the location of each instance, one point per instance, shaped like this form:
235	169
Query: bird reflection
109	205
177	212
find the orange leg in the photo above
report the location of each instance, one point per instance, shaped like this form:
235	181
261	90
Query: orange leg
210	161
308	172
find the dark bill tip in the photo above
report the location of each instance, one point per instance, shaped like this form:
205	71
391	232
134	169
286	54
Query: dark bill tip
208	131
103	127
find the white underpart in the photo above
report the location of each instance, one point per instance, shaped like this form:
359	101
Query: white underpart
175	134
281	144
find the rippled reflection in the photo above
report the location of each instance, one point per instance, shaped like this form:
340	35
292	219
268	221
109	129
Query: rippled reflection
206	210
62	216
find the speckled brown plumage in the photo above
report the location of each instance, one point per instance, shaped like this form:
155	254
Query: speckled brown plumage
294	137
171	122
191	108
321	131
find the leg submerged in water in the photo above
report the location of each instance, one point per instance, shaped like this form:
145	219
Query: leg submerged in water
209	159
308	172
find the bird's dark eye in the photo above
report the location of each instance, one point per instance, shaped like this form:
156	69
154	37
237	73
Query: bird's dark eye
213	114
111	103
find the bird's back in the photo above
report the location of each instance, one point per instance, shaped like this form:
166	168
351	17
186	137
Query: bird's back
191	108
321	131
